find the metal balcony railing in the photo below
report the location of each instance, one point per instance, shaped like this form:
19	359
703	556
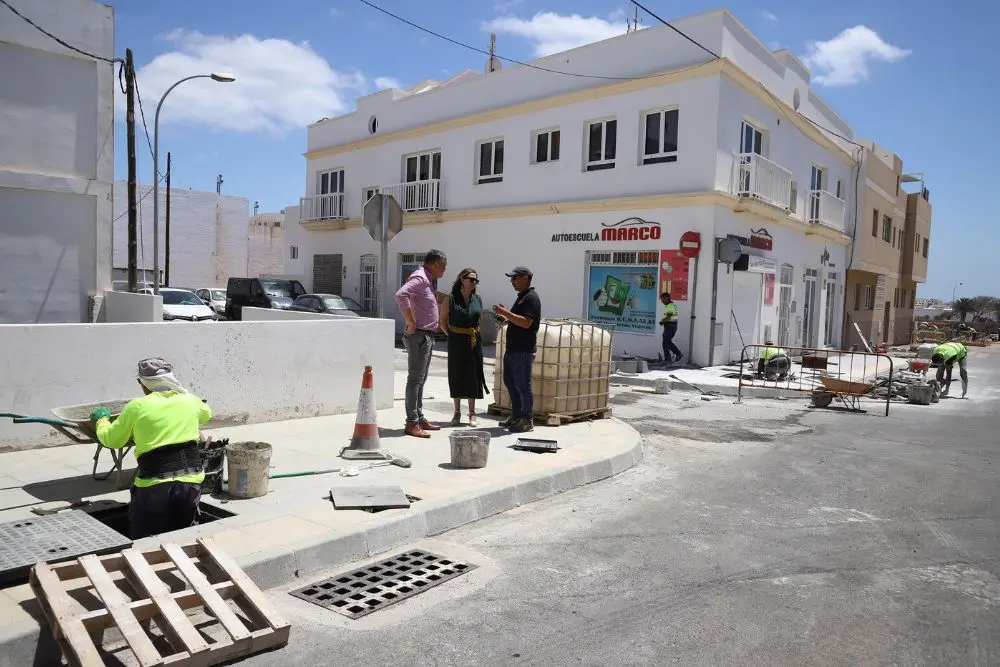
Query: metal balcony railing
415	196
826	209
322	207
756	176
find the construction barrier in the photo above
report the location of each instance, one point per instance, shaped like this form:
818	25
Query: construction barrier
828	375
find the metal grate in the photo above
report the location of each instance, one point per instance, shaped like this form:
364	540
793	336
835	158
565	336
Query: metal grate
59	537
367	589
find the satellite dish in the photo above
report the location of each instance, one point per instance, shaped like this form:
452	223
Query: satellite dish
729	250
796	99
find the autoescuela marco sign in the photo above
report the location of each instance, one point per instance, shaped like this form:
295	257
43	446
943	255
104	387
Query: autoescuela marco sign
760	239
629	229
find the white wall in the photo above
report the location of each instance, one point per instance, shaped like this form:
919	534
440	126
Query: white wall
209	235
248	371
56	162
129	307
266	245
276	315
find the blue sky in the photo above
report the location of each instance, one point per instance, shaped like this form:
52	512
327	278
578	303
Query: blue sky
915	81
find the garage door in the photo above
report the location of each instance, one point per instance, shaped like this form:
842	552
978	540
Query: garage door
328	274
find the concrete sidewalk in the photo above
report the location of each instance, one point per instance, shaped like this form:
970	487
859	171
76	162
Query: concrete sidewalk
294	529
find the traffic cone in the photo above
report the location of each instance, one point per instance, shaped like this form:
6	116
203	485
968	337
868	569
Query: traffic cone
365	442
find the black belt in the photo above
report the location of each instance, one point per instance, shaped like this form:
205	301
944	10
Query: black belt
171	461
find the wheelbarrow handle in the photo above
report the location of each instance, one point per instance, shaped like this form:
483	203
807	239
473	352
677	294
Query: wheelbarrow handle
44	420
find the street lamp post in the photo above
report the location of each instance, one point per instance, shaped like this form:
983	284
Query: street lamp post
221	77
954	289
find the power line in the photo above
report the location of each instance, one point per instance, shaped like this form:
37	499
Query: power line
145	129
148	192
53	37
520	62
679	32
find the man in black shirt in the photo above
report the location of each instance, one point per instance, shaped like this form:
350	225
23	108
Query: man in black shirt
522	319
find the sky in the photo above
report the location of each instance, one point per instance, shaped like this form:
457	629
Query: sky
910	76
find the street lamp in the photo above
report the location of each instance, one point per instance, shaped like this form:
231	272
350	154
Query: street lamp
221	77
953	294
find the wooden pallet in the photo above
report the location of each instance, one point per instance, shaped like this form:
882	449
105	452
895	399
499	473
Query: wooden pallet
555	418
171	586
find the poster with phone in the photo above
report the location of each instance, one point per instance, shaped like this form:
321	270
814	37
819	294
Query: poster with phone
624	297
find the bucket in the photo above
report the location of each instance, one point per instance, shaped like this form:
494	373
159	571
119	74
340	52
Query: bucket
249	466
213	458
469	449
920	394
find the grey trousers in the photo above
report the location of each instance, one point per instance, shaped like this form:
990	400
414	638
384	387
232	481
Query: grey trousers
419	346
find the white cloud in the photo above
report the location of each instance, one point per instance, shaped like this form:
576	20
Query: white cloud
280	85
553	33
844	60
769	16
504	6
386	82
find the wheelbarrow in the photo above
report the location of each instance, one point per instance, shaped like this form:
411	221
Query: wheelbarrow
73	421
846	392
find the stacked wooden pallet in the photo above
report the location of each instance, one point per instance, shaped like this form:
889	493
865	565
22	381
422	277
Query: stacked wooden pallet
154	599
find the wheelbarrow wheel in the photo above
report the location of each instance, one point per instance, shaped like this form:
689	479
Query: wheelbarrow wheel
822	399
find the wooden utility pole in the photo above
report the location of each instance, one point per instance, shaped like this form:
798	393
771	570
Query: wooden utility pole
166	278
132	201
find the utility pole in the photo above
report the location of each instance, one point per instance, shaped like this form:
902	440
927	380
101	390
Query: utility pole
130	132
166	263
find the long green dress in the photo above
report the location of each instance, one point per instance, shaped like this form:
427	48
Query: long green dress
465	352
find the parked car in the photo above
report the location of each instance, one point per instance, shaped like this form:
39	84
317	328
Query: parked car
183	305
214	298
331	304
122	285
260	293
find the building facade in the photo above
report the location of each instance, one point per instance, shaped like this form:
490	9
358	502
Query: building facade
56	161
591	182
889	253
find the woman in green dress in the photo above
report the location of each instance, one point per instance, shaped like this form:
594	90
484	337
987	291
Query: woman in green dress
460	316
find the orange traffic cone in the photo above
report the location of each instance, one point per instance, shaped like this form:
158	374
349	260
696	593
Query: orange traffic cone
365	442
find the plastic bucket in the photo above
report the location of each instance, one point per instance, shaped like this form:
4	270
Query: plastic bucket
469	449
249	466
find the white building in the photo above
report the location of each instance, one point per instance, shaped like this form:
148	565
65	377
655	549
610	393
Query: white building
591	182
266	244
56	160
210	237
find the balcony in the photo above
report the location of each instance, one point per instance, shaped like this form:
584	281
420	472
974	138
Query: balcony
322	207
757	177
413	197
826	209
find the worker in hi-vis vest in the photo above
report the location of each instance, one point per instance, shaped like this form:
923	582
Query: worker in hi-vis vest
165	426
669	324
773	362
945	356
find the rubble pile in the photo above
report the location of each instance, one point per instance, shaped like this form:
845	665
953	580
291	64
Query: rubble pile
899	388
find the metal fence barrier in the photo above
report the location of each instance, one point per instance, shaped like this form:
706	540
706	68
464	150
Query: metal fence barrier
828	375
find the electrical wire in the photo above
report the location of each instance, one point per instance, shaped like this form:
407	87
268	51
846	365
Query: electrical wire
148	192
679	32
53	37
521	62
145	129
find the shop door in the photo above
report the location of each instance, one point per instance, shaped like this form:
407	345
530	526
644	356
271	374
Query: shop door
829	338
328	274
785	293
809	309
744	312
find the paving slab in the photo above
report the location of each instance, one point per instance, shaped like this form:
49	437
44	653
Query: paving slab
294	529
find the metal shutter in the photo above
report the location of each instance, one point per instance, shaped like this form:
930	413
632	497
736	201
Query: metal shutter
328	274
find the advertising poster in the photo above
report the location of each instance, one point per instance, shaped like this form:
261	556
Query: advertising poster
768	289
674	274
624	297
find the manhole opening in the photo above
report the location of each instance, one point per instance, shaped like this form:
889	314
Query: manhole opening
116	518
373	510
362	591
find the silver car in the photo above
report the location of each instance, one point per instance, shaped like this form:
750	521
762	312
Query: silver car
214	298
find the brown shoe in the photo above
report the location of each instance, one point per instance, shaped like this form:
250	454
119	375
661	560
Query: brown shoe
427	426
416	431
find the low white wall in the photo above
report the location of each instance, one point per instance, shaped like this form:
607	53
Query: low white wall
276	315
129	307
247	371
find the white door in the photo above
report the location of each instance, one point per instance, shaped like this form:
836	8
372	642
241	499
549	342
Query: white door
815	187
369	283
785	294
744	312
751	143
829	338
420	170
809	303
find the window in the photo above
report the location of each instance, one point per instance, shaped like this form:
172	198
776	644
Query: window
840	188
869	297
897	185
893	237
490	161
916	245
546	146
857	296
895	298
330	191
886	228
659	137
602	144
925	248
875	223
293	252
626	258
368	193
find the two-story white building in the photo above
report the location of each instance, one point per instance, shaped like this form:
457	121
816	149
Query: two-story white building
590	181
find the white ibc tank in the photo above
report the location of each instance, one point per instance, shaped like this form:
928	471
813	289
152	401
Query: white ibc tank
572	370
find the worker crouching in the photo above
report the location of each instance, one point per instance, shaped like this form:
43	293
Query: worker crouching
164	426
945	356
773	363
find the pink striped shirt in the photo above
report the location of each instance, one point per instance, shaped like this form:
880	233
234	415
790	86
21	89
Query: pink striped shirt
417	295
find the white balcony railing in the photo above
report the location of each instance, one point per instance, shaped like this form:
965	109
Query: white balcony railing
756	176
826	209
322	207
416	196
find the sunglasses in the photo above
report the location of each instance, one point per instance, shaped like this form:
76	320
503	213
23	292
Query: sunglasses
474	281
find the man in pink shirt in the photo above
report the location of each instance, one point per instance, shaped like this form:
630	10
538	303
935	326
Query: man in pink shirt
417	302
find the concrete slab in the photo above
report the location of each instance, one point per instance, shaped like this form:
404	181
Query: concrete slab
295	529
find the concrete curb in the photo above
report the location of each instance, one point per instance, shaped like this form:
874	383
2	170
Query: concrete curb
274	566
721	389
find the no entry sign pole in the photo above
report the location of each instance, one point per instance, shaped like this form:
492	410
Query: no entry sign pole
690	246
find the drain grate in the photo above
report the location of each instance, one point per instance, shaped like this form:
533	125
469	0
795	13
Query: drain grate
360	592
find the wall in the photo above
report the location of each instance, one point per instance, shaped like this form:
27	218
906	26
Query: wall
248	371
918	225
57	162
208	234
276	315
266	245
879	187
129	307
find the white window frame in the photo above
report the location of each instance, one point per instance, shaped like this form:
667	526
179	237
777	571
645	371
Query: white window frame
886	228
492	176
330	172
869	297
368	192
661	156
604	162
547	132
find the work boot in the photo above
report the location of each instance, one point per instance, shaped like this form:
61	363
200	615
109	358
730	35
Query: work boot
416	431
678	358
522	426
506	423
427	426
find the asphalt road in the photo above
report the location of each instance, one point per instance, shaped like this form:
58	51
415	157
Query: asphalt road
753	534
